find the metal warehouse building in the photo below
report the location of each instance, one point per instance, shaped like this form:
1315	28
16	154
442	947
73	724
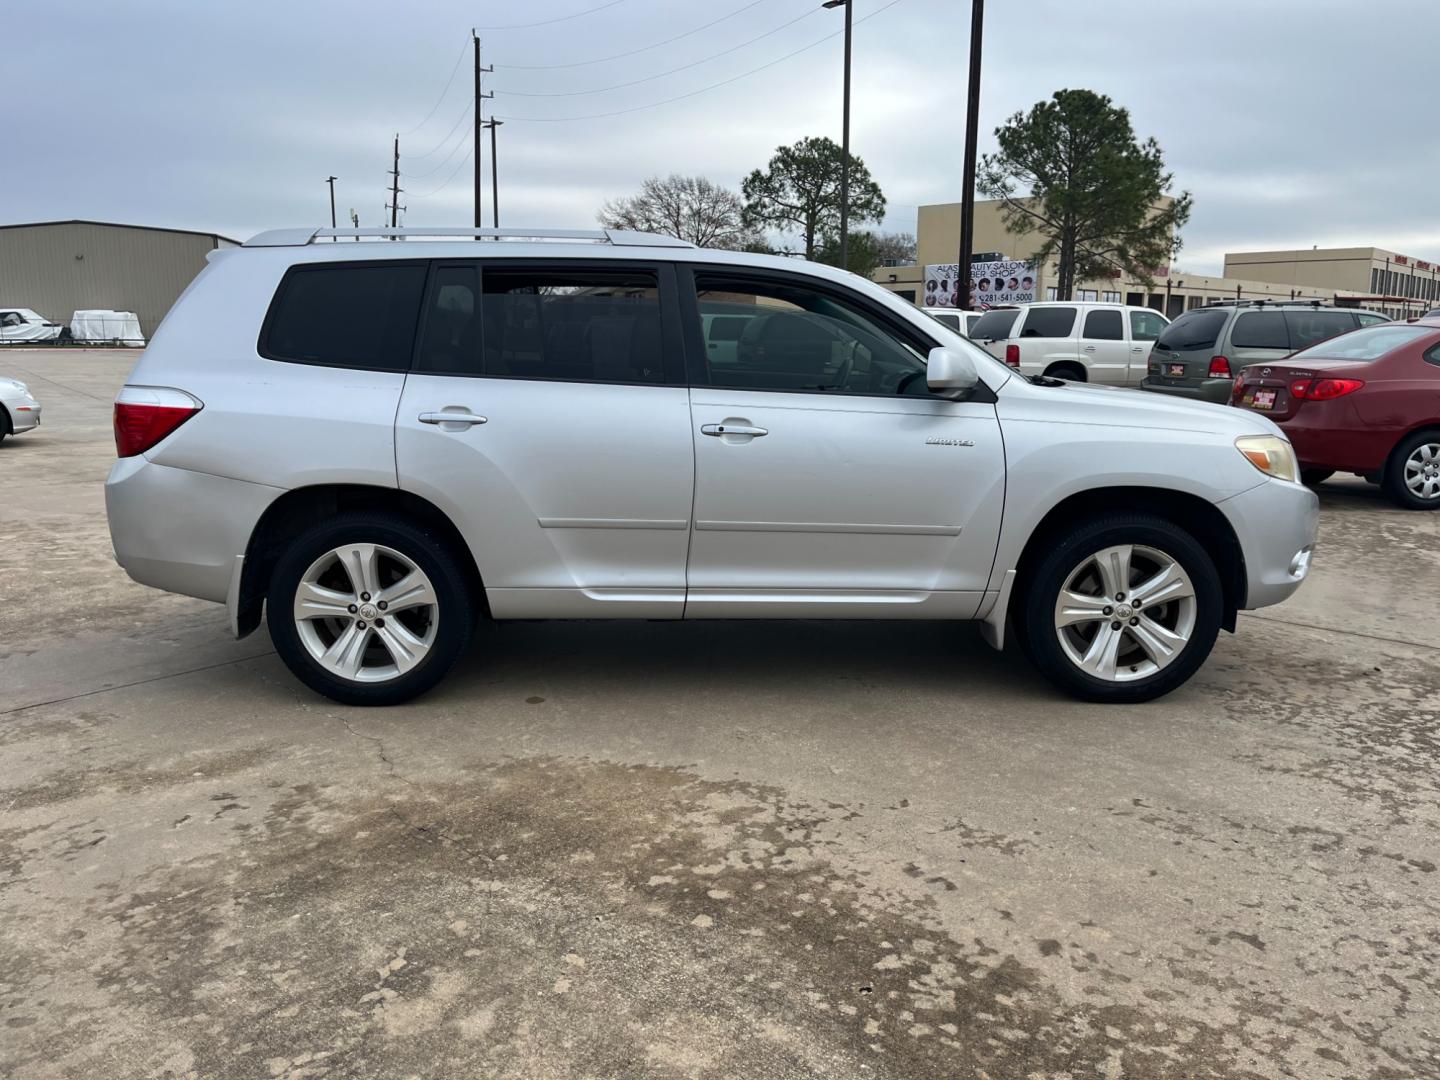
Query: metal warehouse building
60	267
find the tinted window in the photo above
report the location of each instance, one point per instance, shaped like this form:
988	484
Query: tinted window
1367	318
1050	322
1260	330
952	321
1145	326
580	324
995	325
1193	330
1104	326
1308	327
346	316
799	339
1370	343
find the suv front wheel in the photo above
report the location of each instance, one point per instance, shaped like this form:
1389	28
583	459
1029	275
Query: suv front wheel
1123	608
367	609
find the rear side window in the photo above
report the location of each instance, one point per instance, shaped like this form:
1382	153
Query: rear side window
1049	322
1193	330
952	321
1104	325
995	325
346	315
1308	327
1260	330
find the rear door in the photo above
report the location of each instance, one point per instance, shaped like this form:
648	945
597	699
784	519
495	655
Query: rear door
1049	335
546	414
1106	352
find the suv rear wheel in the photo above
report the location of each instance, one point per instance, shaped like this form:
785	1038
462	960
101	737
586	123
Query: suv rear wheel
1412	475
1122	608
367	609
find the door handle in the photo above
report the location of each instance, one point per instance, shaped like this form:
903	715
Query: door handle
1138	349
732	429
1089	348
452	418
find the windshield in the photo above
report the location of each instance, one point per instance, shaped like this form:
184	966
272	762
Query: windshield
1365	345
1193	330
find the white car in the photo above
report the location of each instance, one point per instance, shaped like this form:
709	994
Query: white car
22	324
19	411
962	322
1081	341
378	443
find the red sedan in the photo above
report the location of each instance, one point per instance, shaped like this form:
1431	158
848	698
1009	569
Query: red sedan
1366	402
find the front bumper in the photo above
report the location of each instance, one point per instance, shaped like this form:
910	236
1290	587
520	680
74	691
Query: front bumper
181	530
24	415
1215	391
1275	523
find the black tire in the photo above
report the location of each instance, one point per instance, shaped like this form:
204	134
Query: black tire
1072	372
454	604
1066	552
1315	477
1392	480
4	422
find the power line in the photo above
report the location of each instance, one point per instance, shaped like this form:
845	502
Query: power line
469	105
441	98
703	89
447	158
632	52
446	182
551	22
672	71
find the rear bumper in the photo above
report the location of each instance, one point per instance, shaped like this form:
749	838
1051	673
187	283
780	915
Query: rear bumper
1216	391
179	530
1275	524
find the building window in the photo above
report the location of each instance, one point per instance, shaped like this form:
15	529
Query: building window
1110	297
1196	301
1052	293
1089	294
1374	279
1135	299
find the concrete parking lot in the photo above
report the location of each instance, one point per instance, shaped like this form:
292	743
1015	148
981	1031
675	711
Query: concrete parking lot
704	850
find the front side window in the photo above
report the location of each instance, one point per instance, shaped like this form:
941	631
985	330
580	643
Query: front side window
1104	325
574	324
1261	330
1049	322
1146	326
10	318
346	315
794	338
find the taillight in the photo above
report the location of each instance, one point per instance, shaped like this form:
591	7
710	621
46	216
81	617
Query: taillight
1323	389
1219	368
1012	355
1238	390
146	414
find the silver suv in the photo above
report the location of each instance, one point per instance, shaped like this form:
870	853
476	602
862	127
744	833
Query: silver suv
378	444
1200	353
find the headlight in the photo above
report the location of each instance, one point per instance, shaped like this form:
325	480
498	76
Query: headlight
1271	455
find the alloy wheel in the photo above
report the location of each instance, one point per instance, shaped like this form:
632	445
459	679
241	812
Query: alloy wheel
1422	471
1125	613
366	612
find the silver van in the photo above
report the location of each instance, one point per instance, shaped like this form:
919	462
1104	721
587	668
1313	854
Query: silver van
1200	353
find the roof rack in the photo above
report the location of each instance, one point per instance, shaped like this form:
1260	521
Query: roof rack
616	237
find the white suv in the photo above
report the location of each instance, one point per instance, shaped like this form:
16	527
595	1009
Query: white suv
1081	341
380	443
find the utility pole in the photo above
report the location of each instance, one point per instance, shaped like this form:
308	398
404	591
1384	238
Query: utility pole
479	126
331	182
844	140
972	123
492	124
395	206
354	222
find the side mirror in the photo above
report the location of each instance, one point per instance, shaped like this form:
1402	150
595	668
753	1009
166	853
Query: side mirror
950	372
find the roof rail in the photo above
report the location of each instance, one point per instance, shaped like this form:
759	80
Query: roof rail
616	237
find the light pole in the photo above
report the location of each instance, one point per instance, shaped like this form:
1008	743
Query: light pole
972	120
844	141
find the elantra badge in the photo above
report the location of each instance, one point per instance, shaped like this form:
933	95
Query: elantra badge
935	440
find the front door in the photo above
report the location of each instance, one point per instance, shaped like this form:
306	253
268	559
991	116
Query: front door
546	415
829	481
1145	328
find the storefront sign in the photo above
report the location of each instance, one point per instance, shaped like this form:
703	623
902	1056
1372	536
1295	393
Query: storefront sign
998	281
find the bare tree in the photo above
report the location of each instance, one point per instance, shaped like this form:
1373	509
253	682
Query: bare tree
688	207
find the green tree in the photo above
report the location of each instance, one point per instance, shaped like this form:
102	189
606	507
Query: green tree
868	250
799	192
1095	193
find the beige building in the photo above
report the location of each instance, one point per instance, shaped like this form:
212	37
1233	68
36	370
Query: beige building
60	267
1338	276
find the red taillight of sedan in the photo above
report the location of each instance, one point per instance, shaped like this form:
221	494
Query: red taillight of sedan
146	414
1323	389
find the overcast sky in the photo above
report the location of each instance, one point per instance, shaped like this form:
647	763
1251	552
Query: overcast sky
1293	122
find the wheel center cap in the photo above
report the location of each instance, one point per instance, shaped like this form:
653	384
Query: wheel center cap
369	611
1123	611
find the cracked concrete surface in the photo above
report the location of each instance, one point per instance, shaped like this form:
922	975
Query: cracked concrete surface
704	850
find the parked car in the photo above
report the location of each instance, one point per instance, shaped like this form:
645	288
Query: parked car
962	322
1199	353
1082	341
22	324
378	443
19	411
1366	402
